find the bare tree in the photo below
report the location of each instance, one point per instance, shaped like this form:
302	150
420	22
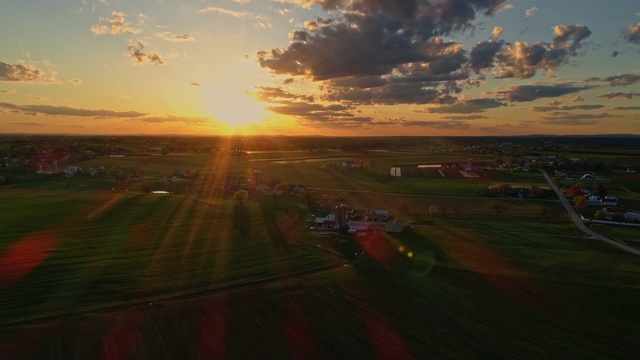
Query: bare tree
405	207
498	207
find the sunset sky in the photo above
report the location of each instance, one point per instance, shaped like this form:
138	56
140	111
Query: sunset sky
324	67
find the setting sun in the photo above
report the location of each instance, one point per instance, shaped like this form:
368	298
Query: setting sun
234	107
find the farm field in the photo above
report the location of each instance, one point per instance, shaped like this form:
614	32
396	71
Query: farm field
96	273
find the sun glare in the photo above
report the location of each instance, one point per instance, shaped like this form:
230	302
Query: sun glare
234	107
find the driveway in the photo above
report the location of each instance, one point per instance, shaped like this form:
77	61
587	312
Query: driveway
578	220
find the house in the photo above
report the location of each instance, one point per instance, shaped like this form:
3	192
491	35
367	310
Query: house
325	218
71	170
610	200
631	216
594	200
348	164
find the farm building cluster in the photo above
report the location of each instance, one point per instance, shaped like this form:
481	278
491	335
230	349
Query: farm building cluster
466	169
346	218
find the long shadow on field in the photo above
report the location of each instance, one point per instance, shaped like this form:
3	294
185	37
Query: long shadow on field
272	223
242	221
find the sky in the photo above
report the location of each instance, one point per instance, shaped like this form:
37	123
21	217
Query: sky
320	67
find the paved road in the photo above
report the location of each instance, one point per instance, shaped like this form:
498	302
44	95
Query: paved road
580	224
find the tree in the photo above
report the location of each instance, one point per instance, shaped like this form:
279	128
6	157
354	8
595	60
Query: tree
147	187
557	181
241	196
617	216
115	173
575	190
498	207
434	210
546	213
580	202
599	190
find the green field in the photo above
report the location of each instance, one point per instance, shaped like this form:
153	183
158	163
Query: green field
94	273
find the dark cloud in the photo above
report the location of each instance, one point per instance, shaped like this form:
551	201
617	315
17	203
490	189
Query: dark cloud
194	84
614	54
332	115
612	95
632	34
389	94
500	128
23	73
565	118
375	37
483	54
436	124
627	108
34	124
362	82
68	111
298	36
394	52
569	37
137	53
533	92
278	95
307	110
565	108
317	24
522	59
623	80
465	117
467	107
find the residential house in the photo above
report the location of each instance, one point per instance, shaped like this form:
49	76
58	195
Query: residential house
594	200
71	170
325	218
610	200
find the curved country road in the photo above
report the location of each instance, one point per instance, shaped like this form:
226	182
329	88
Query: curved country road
580	224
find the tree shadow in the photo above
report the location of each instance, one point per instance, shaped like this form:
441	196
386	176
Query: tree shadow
242	220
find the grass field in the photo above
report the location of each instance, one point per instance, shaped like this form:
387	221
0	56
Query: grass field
98	274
